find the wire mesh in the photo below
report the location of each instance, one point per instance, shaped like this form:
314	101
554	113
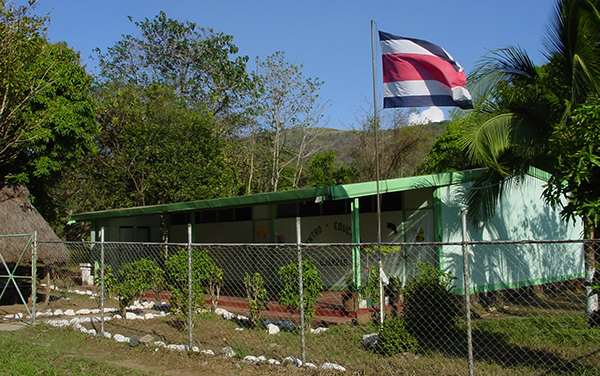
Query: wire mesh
528	303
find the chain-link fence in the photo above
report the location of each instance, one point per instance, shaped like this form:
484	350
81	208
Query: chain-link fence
526	313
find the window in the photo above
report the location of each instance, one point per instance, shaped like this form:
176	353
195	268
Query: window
287	210
180	219
243	214
335	207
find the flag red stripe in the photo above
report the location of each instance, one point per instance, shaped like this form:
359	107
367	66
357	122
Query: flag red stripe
409	67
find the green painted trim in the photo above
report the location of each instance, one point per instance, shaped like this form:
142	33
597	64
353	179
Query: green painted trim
540	174
512	285
331	193
438	226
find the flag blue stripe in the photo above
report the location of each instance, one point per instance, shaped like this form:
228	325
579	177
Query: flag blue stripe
425	101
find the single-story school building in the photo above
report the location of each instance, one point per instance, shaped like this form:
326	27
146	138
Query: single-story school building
420	208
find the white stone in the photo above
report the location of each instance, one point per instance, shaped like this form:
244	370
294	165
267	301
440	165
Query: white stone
130	316
310	365
251	358
239	329
225	314
107	335
117	316
262	358
120	338
149	316
334	366
195	349
273	329
274	362
319	330
207	352
19	315
292	360
69	312
58	312
370	340
228	352
160	344
83	312
58	323
177	347
88	293
95	311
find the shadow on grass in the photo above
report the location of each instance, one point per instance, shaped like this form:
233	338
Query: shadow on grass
493	347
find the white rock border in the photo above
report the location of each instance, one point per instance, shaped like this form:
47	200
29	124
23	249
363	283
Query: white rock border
77	322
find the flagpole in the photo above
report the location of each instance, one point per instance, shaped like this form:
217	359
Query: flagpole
376	125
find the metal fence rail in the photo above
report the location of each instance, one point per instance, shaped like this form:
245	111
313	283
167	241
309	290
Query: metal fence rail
526	315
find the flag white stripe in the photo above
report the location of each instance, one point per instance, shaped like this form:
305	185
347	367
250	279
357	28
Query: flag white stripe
402	46
419	88
412	88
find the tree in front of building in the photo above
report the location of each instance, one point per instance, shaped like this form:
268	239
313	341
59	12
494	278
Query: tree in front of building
46	110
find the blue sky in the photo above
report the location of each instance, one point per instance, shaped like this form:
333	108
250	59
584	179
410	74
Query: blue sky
332	39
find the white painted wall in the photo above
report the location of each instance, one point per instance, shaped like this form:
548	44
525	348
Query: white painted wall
521	215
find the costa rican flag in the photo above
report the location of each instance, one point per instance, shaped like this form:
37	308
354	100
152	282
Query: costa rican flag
417	73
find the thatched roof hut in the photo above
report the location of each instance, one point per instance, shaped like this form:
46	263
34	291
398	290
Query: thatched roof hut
19	216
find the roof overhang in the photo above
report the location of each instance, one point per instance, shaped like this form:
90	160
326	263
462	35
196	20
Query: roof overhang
340	192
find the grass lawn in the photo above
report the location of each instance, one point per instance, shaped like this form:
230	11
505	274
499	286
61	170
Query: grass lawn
507	345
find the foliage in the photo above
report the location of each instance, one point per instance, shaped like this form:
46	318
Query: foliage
371	286
47	112
214	285
110	280
447	153
577	175
523	107
257	296
431	307
289	296
393	338
288	107
401	145
168	102
204	273
321	171
195	62
134	278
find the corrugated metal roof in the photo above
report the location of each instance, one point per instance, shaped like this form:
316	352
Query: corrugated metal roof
339	192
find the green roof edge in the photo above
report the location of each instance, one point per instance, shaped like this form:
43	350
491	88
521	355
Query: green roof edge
339	192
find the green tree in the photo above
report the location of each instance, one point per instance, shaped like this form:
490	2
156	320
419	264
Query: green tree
321	171
527	116
169	102
447	153
46	111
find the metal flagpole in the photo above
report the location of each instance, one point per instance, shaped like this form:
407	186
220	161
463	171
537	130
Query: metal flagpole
376	126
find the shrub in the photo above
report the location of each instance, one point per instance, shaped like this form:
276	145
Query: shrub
431	308
311	280
206	277
394	339
257	296
134	278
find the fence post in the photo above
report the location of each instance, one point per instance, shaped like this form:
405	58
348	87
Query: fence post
34	276
190	310
466	284
102	281
301	292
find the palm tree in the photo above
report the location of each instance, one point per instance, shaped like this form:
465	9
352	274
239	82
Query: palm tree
522	111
